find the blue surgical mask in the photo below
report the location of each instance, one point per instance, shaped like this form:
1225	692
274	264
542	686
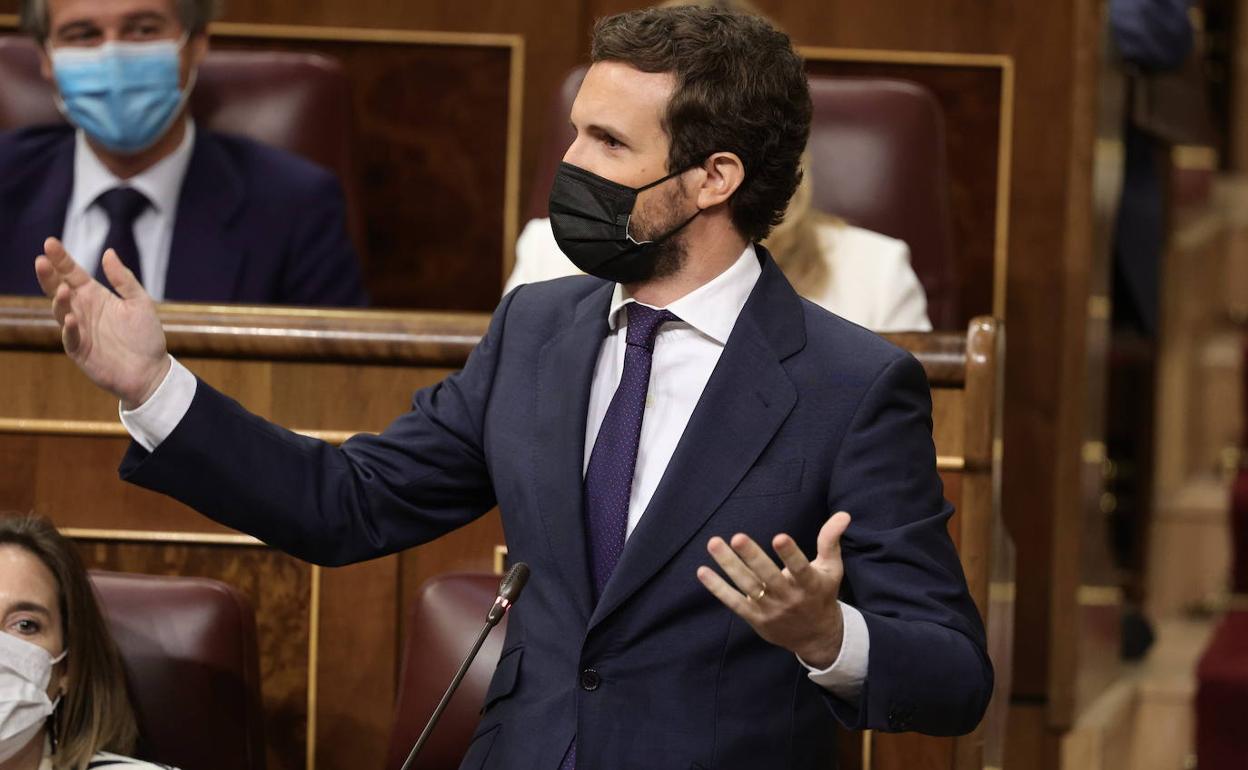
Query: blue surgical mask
124	95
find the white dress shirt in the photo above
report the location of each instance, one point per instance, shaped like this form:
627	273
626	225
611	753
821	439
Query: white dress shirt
685	354
86	223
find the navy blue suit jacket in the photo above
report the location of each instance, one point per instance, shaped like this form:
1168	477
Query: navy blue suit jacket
254	224
804	415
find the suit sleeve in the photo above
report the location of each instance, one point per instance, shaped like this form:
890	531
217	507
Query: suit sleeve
425	475
321	266
928	669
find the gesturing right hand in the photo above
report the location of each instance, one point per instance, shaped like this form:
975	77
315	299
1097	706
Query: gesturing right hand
118	342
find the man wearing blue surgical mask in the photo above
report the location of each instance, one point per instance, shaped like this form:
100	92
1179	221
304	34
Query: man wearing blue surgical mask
197	216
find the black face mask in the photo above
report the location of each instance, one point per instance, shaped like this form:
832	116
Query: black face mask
590	217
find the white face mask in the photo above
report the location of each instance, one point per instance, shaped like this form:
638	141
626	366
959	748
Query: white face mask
25	670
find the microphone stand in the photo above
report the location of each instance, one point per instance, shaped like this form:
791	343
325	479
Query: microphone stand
512	583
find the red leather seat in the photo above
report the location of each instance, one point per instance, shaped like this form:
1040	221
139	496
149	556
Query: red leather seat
188	646
1222	697
878	159
442	623
292	101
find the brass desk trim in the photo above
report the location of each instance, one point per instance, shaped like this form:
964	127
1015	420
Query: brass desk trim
152	536
106	429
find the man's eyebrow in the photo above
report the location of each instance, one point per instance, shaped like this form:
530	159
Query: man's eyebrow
144	15
82	25
598	128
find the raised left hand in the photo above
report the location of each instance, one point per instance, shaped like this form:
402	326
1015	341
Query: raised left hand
795	607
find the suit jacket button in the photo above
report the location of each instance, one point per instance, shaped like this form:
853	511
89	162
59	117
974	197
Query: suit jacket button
590	680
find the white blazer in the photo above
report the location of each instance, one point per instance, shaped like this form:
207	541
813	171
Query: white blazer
872	283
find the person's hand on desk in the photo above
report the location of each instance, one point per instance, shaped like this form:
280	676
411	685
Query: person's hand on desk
117	341
795	608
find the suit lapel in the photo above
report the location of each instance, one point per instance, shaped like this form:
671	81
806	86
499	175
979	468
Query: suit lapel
205	258
746	400
565	373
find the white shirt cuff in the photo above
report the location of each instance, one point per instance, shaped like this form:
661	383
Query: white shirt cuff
845	677
153	420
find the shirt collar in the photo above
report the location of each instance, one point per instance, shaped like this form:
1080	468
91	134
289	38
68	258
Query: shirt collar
713	307
160	183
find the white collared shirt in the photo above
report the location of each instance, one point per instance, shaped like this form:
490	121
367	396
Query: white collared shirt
86	223
685	355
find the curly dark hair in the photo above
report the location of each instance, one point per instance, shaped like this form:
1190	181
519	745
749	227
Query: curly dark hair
740	88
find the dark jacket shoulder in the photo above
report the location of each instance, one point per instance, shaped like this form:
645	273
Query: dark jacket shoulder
842	343
27	152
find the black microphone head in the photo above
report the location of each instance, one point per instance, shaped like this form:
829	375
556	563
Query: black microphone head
513	582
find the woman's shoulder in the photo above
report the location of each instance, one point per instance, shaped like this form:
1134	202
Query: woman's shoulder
538	257
848	242
873	283
104	760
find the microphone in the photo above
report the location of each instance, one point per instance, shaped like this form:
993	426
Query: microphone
508	591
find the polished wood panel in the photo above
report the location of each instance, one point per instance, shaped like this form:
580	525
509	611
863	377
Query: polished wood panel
241	332
430	143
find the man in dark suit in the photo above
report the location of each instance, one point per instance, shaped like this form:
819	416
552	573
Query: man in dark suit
198	216
681	401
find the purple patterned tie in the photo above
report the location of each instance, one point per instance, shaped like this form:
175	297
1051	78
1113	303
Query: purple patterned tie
609	477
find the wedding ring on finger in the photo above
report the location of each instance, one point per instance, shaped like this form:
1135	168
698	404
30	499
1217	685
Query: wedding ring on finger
762	591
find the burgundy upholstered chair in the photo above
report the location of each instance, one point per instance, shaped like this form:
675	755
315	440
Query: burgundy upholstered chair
292	101
878	160
188	646
1222	696
442	623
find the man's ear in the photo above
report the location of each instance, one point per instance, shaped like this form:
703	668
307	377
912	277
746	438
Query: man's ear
724	174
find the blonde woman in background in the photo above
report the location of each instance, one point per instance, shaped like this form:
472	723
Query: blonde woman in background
858	274
63	703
